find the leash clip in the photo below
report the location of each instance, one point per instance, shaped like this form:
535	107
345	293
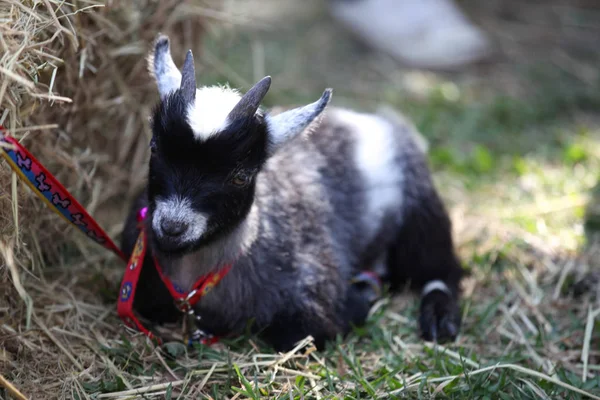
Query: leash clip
184	304
191	333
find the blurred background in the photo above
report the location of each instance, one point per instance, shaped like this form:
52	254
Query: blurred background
506	94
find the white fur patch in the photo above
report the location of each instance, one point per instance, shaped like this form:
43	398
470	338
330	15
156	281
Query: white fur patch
180	210
376	150
208	114
435	285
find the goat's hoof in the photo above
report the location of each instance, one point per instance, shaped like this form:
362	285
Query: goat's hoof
440	317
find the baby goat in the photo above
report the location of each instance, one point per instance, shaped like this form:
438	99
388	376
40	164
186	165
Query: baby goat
300	201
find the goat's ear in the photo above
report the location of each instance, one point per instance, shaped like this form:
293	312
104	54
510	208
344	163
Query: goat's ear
289	124
162	67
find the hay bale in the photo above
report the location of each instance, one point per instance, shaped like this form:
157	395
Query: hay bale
74	88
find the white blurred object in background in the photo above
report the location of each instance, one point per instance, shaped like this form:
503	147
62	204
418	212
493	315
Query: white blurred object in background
421	33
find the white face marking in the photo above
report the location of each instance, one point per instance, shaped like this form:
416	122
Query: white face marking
435	285
208	114
179	210
376	151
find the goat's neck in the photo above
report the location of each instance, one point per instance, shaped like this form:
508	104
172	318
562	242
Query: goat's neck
185	270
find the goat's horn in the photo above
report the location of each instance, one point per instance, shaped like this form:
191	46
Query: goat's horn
188	78
250	102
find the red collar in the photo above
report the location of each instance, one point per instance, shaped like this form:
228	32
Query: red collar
184	301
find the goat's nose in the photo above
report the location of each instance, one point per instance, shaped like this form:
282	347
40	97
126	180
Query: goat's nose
173	228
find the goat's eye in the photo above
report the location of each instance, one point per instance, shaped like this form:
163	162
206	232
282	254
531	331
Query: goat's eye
240	180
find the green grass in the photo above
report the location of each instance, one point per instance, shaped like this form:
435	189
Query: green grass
379	361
